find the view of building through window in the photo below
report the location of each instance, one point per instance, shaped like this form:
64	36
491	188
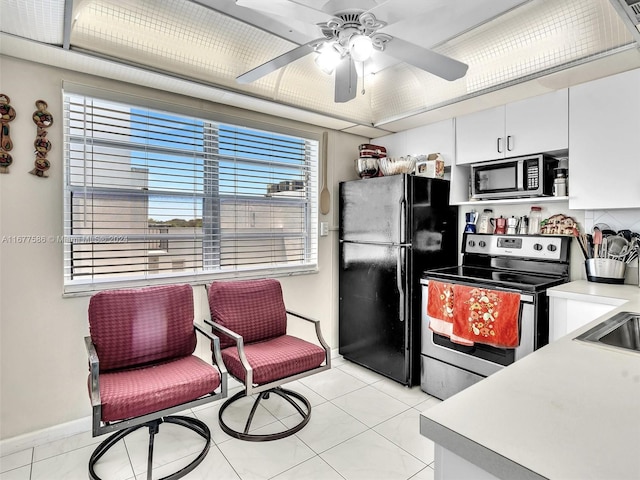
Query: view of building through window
150	193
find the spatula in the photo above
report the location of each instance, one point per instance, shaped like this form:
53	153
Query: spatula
597	240
325	196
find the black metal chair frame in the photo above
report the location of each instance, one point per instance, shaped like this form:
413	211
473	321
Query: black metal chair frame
265	390
152	420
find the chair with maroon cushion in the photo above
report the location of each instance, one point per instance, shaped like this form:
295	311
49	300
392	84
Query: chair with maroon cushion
251	319
142	367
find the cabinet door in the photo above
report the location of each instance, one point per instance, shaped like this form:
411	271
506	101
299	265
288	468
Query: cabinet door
436	137
538	124
604	125
480	136
567	315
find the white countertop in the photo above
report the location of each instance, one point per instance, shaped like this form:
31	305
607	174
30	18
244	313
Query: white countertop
596	292
570	410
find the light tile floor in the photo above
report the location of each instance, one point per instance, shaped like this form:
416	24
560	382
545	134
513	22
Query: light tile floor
363	426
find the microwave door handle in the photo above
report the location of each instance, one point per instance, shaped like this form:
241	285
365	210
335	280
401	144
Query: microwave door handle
520	185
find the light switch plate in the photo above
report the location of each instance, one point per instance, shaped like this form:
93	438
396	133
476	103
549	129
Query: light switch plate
324	229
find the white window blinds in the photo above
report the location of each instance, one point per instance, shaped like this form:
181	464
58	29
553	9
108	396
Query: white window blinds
152	195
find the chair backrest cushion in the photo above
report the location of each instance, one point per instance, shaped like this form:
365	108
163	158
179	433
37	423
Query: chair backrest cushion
132	327
252	308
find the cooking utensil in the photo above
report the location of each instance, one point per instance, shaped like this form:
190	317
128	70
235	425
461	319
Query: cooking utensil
471	218
367	167
617	246
325	196
582	242
512	225
627	234
597	240
605	270
396	166
602	226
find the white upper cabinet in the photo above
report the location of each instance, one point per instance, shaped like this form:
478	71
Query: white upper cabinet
604	169
434	138
480	136
535	125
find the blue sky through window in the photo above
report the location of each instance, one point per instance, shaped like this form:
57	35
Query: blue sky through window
173	153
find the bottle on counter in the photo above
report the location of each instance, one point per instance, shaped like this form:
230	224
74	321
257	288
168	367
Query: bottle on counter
535	217
486	223
560	183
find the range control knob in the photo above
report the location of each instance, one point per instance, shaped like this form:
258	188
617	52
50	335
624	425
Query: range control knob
551	247
482	243
537	246
471	243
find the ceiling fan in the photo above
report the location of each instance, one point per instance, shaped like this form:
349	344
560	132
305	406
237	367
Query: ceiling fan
348	37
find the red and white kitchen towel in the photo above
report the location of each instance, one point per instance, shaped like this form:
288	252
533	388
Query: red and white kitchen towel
467	315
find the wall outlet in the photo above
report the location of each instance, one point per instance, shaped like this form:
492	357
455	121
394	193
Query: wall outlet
324	229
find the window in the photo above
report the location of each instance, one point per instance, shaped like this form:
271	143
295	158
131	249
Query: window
152	195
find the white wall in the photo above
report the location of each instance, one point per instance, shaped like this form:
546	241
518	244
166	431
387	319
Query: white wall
43	364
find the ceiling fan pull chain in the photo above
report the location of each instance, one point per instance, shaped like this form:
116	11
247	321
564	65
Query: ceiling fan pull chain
362	92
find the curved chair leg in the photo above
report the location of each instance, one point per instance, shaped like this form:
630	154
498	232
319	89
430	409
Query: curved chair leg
281	392
191	423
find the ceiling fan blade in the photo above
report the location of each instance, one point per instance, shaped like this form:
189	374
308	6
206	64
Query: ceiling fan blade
278	62
346	80
427	60
287	9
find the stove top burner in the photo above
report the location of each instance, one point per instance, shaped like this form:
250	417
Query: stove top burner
493	277
530	263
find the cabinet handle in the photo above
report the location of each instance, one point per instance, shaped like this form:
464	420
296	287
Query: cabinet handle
498	146
509	145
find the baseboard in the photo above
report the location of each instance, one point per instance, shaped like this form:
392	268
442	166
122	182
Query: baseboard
46	435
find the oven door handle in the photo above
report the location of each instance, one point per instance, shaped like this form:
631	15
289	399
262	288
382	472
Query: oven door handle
400	279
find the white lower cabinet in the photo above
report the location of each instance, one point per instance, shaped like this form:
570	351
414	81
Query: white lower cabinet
449	466
567	315
575	304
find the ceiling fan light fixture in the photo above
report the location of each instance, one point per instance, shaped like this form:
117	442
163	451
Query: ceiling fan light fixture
360	47
328	58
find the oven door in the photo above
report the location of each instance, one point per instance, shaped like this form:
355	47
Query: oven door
479	358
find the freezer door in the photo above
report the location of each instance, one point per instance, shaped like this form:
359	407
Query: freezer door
374	210
374	308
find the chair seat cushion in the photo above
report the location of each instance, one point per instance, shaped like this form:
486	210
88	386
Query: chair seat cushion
274	359
135	392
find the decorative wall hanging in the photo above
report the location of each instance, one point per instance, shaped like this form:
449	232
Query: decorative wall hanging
7	114
43	119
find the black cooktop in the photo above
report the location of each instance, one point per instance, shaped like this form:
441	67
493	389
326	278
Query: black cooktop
524	281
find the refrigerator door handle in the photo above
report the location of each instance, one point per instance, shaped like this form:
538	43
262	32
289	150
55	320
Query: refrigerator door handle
403	220
400	283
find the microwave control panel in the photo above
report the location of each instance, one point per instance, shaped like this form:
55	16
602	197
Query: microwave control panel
533	175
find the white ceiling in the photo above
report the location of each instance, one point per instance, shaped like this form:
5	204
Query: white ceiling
199	47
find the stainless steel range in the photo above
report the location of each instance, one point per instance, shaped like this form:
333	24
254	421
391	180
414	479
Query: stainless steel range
526	265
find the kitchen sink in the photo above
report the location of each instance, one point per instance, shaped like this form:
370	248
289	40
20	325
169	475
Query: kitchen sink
620	331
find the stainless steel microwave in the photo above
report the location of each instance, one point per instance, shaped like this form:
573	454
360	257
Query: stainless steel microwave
529	176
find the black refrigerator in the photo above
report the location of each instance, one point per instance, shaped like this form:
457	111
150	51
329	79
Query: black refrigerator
392	229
